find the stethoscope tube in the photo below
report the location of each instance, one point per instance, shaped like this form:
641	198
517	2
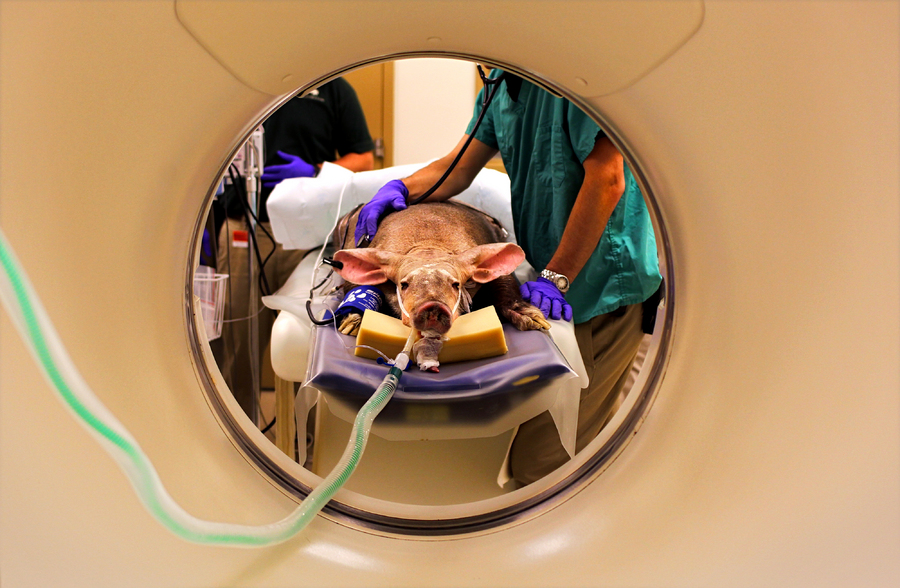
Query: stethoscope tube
486	100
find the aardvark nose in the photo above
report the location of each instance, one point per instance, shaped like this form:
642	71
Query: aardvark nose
432	316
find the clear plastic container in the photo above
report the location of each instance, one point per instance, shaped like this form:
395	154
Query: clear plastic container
209	297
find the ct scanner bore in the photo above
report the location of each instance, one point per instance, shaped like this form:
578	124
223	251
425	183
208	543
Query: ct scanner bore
771	454
373	512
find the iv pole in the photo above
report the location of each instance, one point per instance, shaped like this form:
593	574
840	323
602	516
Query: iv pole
254	159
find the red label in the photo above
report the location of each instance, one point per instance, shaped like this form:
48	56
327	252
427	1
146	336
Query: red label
239	238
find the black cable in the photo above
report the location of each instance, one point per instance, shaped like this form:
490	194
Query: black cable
335	264
314	288
269	426
242	194
486	100
309	311
325	279
259	225
245	209
347	226
312	317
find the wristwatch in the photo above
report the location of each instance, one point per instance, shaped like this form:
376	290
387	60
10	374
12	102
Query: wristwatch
559	280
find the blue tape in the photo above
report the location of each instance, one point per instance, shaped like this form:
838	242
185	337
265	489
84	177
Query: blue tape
381	361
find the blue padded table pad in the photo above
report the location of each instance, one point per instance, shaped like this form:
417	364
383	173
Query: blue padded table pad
466	394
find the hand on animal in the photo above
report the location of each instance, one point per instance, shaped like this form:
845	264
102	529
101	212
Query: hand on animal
294	168
390	197
546	296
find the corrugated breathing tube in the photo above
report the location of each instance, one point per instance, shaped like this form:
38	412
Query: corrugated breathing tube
33	324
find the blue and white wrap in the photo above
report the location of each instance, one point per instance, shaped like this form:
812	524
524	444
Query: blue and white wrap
359	300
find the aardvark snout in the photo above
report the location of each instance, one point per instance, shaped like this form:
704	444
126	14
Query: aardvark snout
432	316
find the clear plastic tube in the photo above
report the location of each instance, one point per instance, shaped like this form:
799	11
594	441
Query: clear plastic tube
33	324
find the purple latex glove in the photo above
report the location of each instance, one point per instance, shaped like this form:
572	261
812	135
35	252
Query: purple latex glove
545	295
390	197
294	168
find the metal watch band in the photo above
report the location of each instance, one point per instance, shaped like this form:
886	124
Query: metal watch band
559	280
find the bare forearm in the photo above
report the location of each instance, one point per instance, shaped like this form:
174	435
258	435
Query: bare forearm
357	162
472	162
421	181
603	186
582	234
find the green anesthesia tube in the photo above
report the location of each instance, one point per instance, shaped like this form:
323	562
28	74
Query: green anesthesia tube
33	324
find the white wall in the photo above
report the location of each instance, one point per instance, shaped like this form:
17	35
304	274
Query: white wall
433	102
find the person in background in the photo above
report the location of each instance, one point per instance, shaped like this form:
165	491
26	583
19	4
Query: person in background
327	124
582	222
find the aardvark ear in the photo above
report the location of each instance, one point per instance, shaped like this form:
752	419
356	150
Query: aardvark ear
488	262
367	267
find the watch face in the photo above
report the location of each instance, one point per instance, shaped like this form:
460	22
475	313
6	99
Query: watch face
559	280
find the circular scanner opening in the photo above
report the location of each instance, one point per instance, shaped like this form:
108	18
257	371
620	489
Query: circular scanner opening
416	109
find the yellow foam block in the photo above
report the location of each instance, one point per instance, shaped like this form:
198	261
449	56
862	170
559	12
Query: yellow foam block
476	335
385	333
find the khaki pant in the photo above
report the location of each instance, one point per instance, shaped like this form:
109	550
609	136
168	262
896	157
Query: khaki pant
608	345
233	353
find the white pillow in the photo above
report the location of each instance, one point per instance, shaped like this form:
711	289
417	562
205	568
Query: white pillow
303	211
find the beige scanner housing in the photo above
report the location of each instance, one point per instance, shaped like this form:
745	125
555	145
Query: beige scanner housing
767	133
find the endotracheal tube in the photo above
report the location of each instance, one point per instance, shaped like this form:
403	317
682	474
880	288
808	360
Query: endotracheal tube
43	342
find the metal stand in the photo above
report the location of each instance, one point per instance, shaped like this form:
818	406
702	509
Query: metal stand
253	160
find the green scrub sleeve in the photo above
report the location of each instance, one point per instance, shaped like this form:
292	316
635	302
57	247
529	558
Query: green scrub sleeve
583	132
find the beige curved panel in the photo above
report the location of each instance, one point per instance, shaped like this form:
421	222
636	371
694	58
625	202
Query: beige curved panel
593	48
114	126
770	457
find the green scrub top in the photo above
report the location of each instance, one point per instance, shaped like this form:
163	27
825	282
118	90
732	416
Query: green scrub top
543	141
